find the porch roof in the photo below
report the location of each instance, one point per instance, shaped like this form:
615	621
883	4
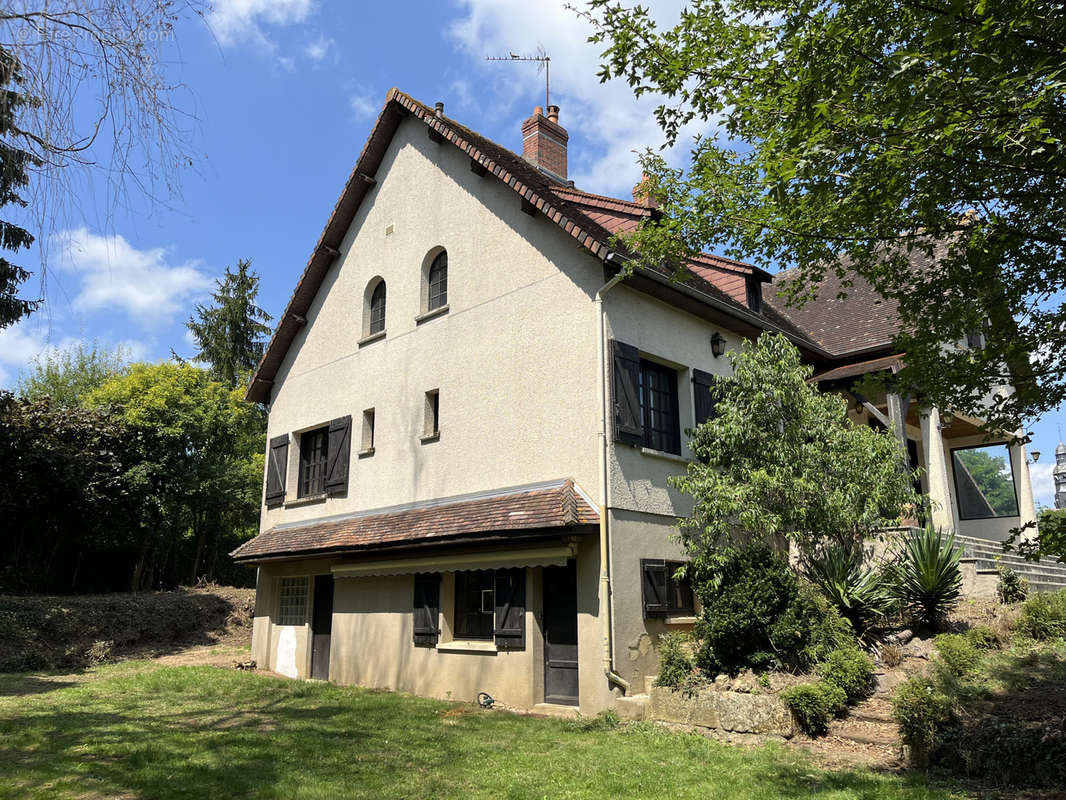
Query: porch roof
517	510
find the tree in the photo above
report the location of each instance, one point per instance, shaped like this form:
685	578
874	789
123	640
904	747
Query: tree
85	93
1049	541
14	163
781	460
866	136
205	467
230	333
67	376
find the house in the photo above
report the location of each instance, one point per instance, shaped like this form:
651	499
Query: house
473	416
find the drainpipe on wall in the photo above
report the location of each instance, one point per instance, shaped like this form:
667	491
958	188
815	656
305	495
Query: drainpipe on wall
605	576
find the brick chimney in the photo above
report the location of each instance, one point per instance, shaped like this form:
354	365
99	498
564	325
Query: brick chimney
544	142
641	195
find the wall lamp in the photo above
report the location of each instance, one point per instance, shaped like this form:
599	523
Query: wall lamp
717	344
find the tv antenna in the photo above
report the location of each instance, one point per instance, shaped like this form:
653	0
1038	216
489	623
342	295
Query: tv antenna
544	62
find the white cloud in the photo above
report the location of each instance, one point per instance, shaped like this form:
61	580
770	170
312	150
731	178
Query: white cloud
606	123
238	21
114	274
1043	483
365	105
319	48
20	344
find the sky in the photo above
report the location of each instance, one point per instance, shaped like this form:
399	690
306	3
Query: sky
283	94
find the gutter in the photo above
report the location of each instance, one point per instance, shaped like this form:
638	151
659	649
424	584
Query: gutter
618	260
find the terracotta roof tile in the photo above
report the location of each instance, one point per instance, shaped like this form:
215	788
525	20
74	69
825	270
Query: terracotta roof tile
554	505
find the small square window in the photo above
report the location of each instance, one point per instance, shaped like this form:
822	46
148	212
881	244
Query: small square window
663	593
292	601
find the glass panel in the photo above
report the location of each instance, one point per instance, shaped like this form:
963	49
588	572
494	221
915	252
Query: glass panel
377	309
658	407
313	456
292	601
475	599
438	282
984	482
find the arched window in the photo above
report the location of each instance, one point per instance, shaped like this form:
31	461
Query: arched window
438	281
377	309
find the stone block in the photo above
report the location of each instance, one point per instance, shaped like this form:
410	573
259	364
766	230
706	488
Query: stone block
631	708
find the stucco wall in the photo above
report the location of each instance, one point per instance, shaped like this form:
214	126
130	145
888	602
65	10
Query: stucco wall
514	358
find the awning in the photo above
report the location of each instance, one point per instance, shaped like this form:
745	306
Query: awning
545	556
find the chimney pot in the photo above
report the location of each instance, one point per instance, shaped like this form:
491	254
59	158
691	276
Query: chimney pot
544	142
438	109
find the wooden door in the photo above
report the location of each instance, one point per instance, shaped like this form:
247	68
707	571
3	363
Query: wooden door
560	634
321	626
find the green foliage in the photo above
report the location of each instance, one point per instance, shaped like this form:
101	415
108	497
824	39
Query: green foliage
860	594
923	711
1011	587
230	334
1049	540
675	663
814	705
851	670
68	376
781	459
858	137
1044	616
15	166
958	653
606	720
756	614
982	637
926	577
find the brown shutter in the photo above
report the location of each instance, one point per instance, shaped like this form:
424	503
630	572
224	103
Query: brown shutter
510	627
703	384
277	469
653	586
338	454
427	609
625	393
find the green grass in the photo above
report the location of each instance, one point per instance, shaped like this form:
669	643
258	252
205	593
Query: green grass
138	730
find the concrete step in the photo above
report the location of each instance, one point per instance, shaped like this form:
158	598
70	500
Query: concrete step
632	707
1040	573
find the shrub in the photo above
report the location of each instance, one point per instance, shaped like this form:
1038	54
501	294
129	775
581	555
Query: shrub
675	663
757	615
1044	616
859	594
982	637
1009	751
958	653
926	578
814	705
1011	587
923	712
851	670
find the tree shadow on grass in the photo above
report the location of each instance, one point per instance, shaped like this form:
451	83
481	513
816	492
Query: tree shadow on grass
20	684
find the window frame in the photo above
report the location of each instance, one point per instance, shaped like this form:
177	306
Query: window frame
376	310
753	293
291	589
654	437
1013	480
485	630
671	585
304	481
437	282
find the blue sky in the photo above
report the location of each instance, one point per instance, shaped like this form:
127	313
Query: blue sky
284	93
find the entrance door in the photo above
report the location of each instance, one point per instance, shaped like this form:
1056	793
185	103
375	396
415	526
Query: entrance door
321	626
560	634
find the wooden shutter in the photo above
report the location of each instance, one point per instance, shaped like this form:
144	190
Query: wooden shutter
703	382
653	586
427	609
510	627
337	454
625	393
277	469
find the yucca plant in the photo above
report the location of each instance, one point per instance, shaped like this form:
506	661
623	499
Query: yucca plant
926	578
859	594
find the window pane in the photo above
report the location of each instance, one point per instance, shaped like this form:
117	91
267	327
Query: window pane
292	601
475	602
658	407
438	282
313	457
377	309
984	482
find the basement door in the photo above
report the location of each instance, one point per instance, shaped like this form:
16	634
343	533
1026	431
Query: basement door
560	634
321	626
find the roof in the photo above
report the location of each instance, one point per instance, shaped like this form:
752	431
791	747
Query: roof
842	319
590	219
893	362
518	510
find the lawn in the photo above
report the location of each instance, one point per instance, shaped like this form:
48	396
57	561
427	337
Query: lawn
139	729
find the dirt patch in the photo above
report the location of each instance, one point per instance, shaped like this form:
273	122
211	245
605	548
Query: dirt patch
72	632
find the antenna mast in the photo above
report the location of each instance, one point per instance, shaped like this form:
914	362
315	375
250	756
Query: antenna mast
544	61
